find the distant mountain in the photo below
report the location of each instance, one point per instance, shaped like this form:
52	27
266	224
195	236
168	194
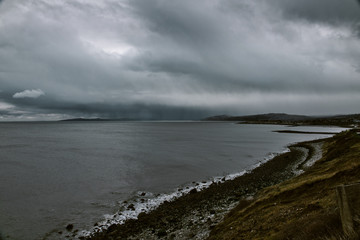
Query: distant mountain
288	119
259	117
275	117
219	118
96	119
84	119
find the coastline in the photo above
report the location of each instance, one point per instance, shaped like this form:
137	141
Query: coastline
193	215
303	207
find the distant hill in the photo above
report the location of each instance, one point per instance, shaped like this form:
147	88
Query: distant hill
84	119
288	119
96	120
259	117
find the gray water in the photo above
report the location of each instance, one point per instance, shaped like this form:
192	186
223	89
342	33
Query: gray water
56	173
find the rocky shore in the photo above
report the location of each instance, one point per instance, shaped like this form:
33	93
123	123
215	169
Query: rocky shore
194	215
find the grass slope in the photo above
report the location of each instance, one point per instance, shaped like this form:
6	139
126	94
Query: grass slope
303	207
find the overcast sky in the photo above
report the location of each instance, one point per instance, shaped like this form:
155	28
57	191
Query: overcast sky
161	59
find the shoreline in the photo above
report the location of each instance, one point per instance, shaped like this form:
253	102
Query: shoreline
305	206
192	216
304	132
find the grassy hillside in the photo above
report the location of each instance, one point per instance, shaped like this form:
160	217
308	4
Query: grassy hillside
303	207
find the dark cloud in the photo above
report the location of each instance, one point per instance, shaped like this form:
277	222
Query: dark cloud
154	59
331	11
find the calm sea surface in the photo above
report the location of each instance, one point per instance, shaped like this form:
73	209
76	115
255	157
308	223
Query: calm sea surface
56	173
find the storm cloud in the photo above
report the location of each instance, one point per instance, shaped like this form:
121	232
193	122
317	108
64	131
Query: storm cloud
157	59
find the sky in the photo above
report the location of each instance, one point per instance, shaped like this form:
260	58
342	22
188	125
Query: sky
178	59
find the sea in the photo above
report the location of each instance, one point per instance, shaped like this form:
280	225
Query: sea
53	174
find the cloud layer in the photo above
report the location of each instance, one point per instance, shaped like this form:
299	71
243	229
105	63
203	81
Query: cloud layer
34	93
158	59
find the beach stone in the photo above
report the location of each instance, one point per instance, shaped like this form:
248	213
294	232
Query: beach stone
131	207
193	191
112	228
192	235
161	233
141	215
69	227
171	219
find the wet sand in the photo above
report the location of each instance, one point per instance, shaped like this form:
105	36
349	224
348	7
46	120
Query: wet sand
192	216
